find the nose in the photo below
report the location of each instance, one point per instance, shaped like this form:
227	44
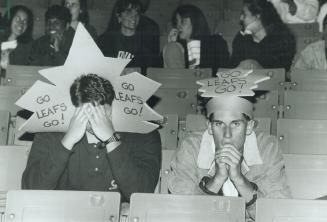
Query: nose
227	132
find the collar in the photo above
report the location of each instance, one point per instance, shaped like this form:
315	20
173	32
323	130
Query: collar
207	153
91	138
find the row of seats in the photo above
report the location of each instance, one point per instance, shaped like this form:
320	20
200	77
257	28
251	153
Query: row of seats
51	206
299	168
178	96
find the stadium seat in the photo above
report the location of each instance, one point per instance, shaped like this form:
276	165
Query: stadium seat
180	101
290	210
49	206
185	208
306	175
305	34
308	80
296	136
13	161
130	70
168	131
167	156
8	96
4	126
24	76
194	74
266	106
305	105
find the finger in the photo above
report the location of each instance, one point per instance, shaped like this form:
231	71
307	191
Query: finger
226	160
230	157
232	153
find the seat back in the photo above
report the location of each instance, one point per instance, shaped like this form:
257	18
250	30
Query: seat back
4	126
309	80
13	161
305	105
50	206
168	131
266	106
8	97
180	101
290	210
306	175
154	73
296	136
26	76
167	156
185	208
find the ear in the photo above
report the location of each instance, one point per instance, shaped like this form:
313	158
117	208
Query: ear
118	17
209	127
250	126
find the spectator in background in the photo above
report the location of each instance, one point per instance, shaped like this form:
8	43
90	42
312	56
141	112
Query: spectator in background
79	13
190	44
125	38
16	38
313	56
52	49
297	11
265	41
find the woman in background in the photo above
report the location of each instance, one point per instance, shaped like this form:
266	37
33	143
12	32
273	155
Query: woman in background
125	38
190	44
79	12
265	41
16	38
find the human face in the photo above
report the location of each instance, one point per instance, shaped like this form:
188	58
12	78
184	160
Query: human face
229	129
55	26
129	19
74	8
249	21
184	27
107	109
19	23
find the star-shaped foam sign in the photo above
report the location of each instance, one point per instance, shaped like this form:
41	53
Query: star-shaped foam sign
237	82
53	108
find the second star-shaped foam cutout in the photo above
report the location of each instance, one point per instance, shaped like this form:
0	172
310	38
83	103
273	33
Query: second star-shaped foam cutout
53	108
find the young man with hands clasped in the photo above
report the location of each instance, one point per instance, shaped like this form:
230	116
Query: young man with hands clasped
91	155
228	158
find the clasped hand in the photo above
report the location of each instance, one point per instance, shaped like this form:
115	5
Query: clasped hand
228	163
98	119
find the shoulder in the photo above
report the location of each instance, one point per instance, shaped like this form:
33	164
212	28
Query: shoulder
190	144
49	136
318	45
268	148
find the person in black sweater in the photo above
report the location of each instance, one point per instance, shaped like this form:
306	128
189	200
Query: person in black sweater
265	41
127	36
190	44
91	155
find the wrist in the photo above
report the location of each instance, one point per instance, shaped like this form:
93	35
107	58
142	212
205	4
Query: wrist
239	181
67	143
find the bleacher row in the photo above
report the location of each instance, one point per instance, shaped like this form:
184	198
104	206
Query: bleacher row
294	111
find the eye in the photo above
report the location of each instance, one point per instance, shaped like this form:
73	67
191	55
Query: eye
236	124
218	123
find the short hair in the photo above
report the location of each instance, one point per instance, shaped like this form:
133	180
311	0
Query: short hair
120	7
59	12
198	20
9	16
84	14
91	88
